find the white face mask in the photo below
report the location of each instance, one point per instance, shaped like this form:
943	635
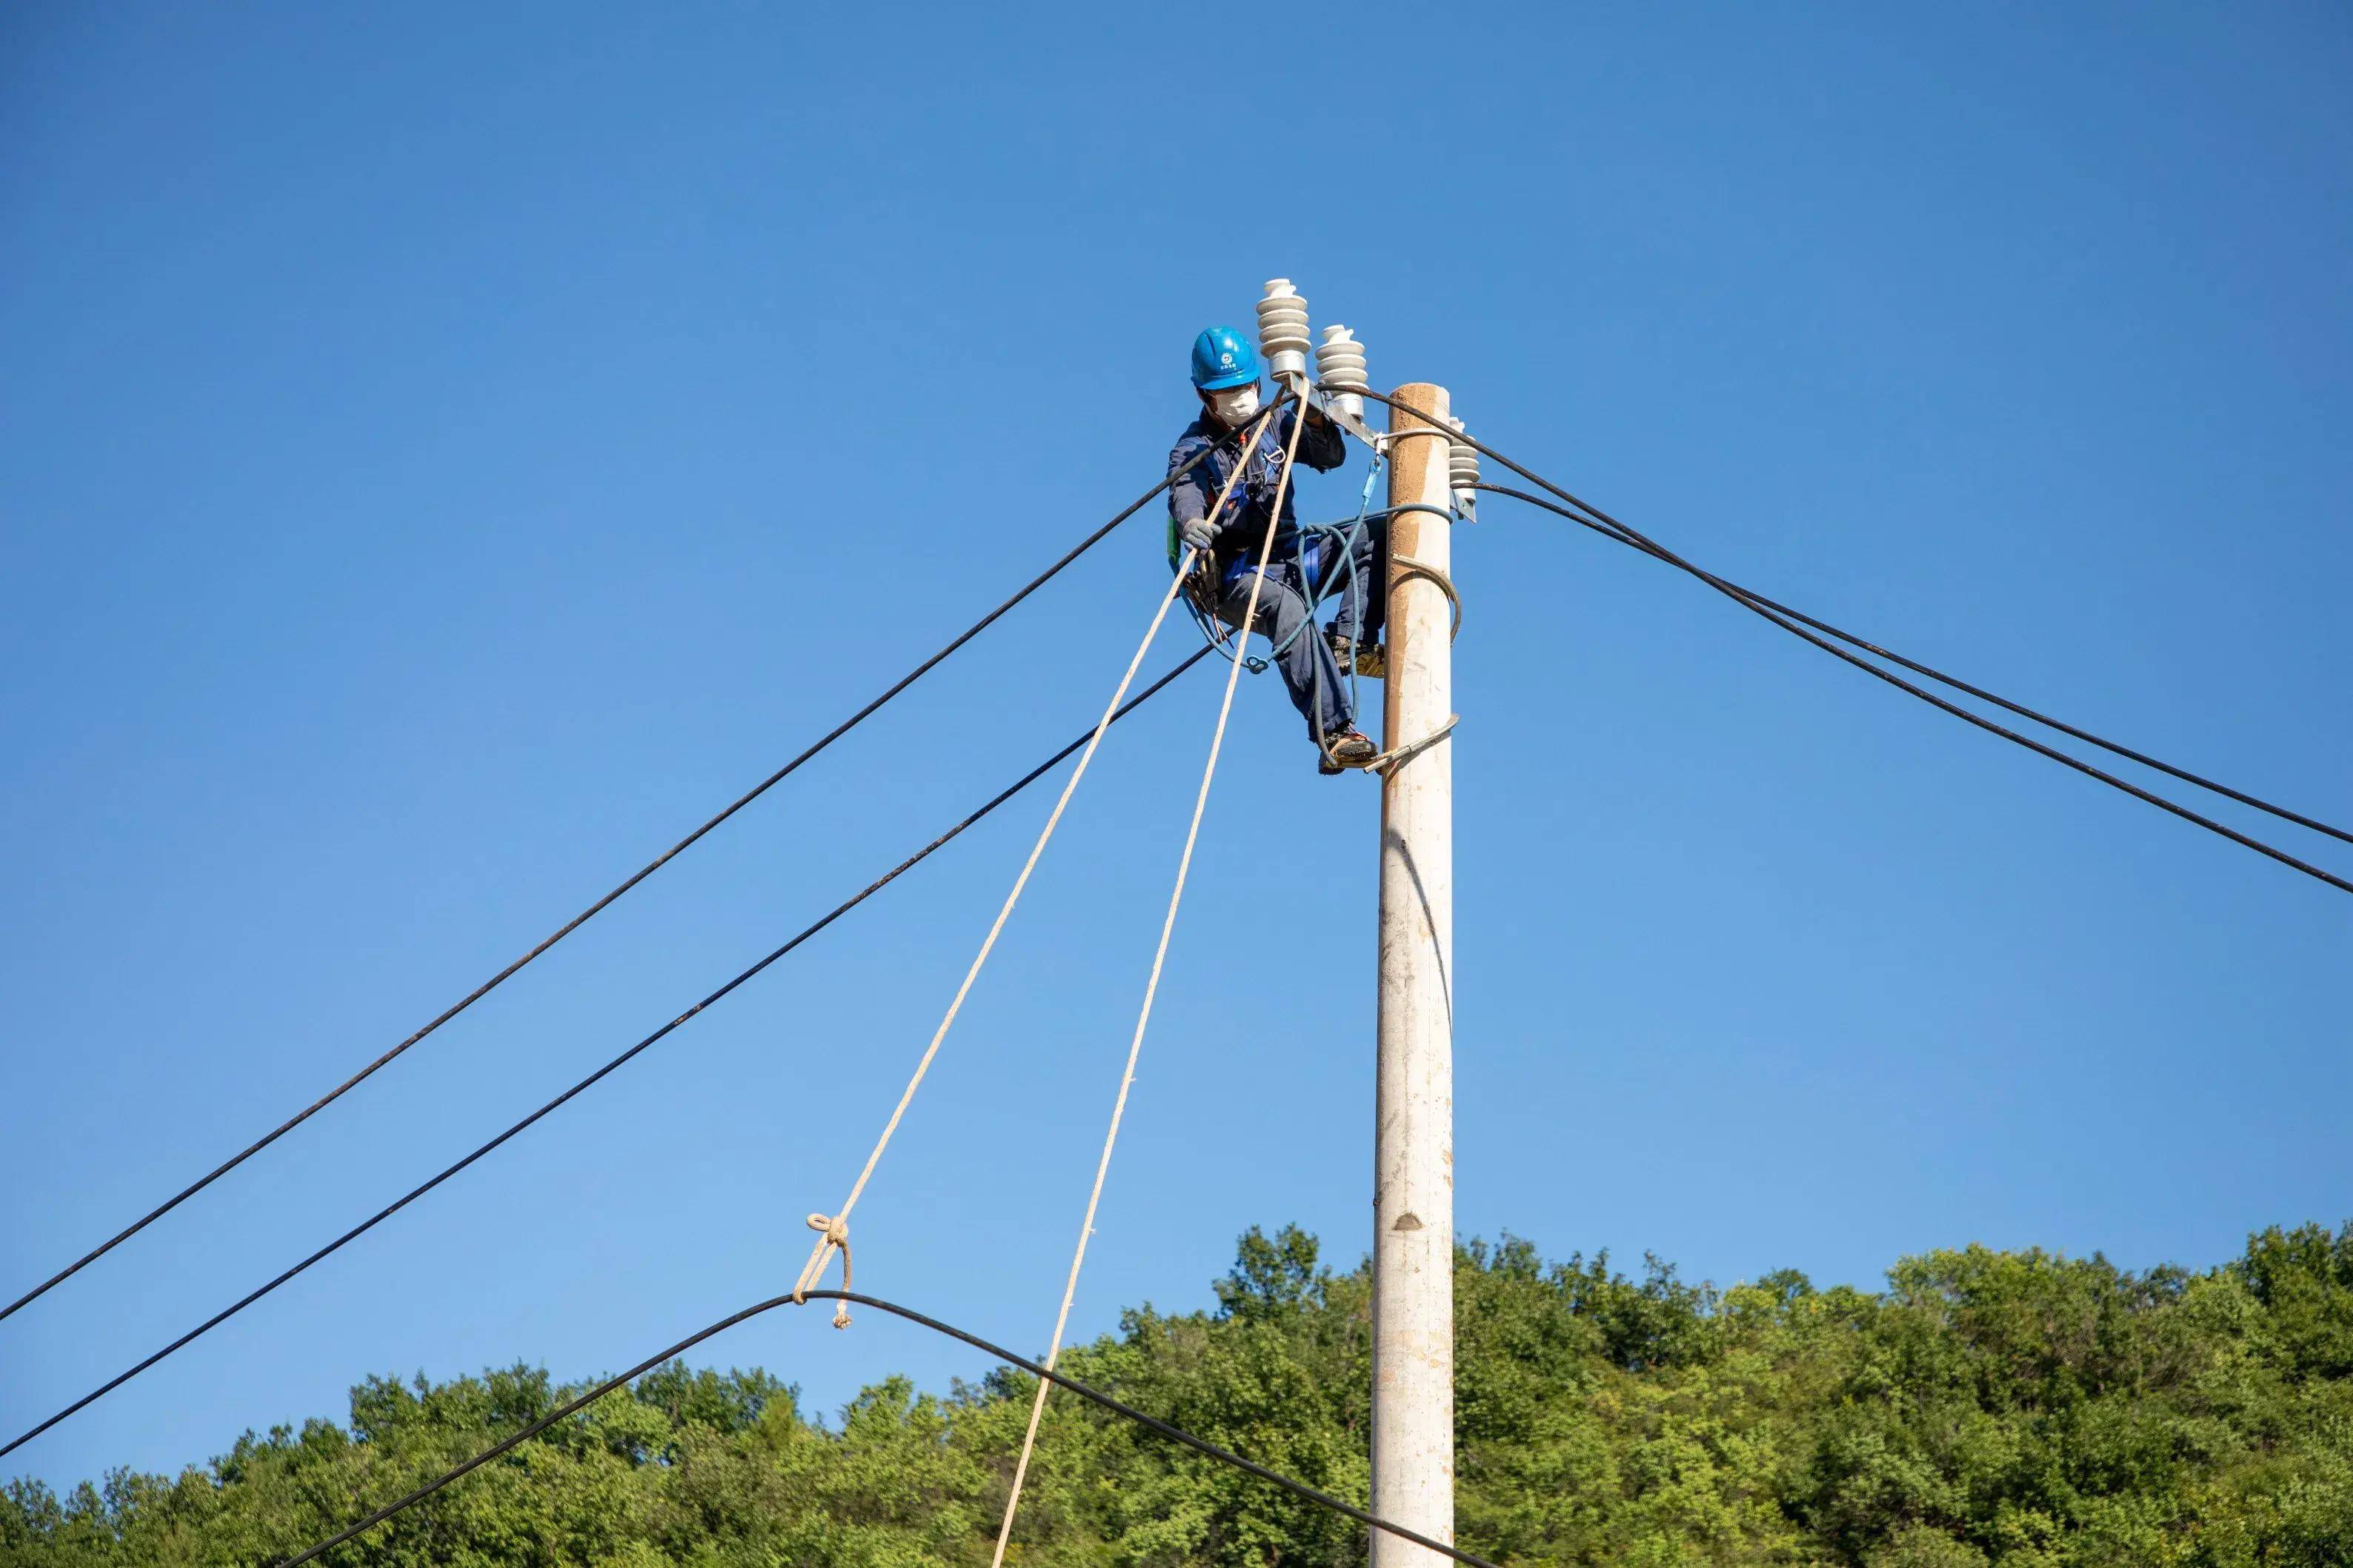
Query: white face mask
1234	407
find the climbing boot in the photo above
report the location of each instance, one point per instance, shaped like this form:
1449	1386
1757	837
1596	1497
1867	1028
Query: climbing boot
1370	659
1349	749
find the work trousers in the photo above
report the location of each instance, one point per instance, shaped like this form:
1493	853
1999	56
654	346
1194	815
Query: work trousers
1318	687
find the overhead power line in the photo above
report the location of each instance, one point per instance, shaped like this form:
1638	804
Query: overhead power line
1126	1412
1593	517
1953	681
577	921
1775	614
1032	776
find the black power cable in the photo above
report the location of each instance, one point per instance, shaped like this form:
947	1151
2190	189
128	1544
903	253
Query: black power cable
1953	681
577	921
1628	534
1032	776
1128	1412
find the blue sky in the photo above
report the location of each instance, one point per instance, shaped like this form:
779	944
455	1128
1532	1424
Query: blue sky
449	453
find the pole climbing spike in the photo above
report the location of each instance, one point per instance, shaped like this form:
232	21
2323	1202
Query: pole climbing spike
1388	760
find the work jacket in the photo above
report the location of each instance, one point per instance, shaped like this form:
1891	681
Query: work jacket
1241	527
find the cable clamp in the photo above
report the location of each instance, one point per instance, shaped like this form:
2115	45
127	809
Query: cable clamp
833	1231
1388	762
1406	566
1385	439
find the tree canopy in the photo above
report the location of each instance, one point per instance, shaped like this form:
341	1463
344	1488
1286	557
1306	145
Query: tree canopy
2014	1409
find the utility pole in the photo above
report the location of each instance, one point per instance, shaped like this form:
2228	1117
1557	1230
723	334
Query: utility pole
1413	1147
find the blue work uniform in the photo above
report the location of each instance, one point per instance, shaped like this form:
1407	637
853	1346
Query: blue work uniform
1286	597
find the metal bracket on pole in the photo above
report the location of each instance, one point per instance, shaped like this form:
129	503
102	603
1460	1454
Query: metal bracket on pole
1387	439
1407	566
1347	421
1404	754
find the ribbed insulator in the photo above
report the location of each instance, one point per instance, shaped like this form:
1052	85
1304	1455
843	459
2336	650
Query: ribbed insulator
1283	329
1462	472
1340	361
1340	366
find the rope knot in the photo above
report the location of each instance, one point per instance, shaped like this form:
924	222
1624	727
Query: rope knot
832	1232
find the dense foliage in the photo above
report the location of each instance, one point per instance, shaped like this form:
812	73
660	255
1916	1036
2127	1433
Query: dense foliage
1989	1407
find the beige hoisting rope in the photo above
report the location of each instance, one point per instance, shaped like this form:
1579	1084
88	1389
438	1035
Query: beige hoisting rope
1151	989
833	1230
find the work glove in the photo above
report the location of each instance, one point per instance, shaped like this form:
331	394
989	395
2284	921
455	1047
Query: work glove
1197	535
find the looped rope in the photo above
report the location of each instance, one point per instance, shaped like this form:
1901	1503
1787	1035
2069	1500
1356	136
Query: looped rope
1203	588
1339	575
833	1231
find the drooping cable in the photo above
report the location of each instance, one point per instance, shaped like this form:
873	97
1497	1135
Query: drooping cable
1151	991
1126	1412
577	921
1942	678
1032	776
1633	536
833	1229
1761	609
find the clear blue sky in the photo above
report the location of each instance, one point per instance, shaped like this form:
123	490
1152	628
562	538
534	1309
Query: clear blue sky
449	452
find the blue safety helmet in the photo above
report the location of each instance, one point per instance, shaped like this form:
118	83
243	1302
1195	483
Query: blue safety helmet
1222	357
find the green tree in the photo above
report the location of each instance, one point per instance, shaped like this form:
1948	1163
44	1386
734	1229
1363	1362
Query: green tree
2017	1409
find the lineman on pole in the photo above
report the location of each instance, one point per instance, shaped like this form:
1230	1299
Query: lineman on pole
1226	378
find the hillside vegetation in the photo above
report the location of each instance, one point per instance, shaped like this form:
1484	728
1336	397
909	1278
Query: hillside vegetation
1987	1407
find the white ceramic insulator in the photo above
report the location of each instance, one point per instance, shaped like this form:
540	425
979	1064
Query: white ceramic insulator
1340	366
1462	472
1283	329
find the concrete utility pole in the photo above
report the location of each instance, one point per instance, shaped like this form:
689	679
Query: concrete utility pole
1413	1150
